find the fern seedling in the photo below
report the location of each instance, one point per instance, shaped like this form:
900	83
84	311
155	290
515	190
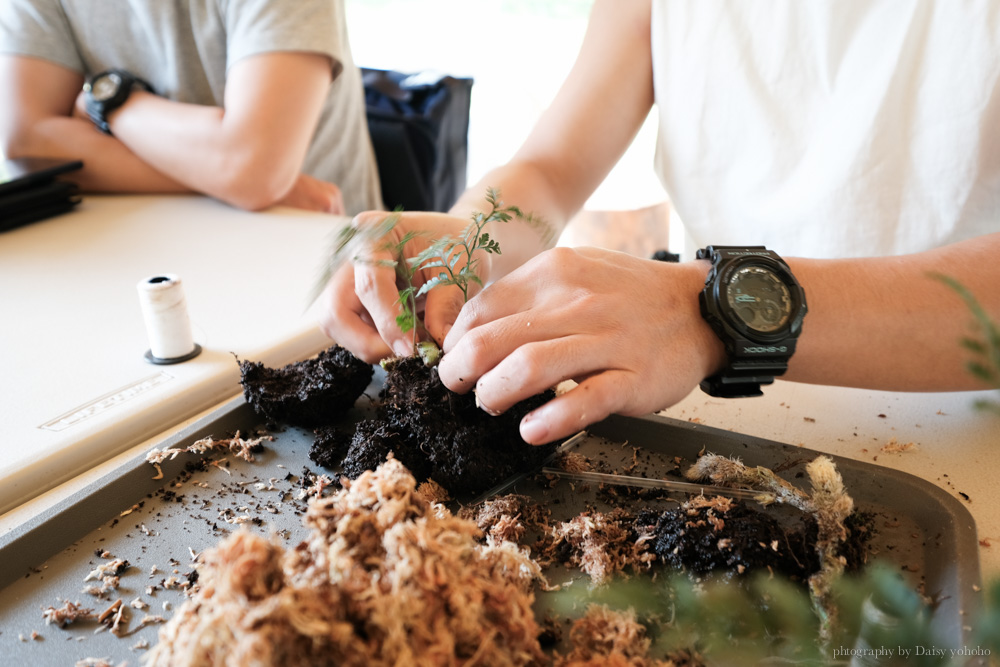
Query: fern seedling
985	364
455	257
448	253
344	244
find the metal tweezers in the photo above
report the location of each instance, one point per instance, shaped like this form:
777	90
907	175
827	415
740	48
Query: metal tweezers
620	480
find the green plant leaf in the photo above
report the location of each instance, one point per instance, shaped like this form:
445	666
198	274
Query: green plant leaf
987	406
986	366
433	264
445	252
983	372
436	281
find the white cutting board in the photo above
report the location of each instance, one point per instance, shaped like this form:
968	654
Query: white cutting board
75	388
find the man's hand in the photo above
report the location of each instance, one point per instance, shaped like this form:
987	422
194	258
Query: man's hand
80	106
628	330
313	194
361	302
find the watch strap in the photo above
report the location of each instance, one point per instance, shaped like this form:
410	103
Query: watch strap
743	378
98	110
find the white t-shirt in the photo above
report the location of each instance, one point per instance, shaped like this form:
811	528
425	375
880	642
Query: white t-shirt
184	48
829	128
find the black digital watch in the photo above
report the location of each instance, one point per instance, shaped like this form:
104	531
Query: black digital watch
107	91
754	304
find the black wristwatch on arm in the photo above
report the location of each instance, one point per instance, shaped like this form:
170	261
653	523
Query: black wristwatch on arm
107	91
754	304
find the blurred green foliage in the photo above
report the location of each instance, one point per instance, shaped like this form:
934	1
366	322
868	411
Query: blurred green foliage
771	619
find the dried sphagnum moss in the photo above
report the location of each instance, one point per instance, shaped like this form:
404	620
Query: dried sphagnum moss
604	637
601	544
385	578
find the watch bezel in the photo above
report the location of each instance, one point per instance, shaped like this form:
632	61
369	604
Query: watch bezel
93	86
727	270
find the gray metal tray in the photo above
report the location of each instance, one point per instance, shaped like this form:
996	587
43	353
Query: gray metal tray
929	534
921	529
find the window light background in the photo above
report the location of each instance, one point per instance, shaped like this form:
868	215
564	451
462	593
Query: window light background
518	52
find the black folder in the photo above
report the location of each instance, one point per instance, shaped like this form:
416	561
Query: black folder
30	191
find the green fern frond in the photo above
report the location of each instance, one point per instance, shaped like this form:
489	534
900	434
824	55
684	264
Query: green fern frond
985	365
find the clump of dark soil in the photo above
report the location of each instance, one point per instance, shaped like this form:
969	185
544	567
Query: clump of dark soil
857	547
331	445
435	433
370	446
736	540
307	393
726	538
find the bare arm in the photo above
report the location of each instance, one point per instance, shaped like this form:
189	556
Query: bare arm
248	154
36	119
574	145
581	136
881	323
886	323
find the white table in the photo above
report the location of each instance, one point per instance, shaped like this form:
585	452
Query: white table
73	333
75	388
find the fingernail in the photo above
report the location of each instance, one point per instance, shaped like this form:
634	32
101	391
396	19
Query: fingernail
402	348
482	406
534	428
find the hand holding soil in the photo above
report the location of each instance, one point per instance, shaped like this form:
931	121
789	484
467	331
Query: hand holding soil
628	330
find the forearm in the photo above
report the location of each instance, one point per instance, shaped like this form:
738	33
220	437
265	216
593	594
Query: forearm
249	155
193	145
580	137
248	152
108	165
889	324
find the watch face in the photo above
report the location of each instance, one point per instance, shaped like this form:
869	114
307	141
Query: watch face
104	87
759	298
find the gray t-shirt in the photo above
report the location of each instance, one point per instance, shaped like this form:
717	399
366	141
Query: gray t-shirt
184	48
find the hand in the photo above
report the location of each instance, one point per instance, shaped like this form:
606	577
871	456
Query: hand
313	194
628	330
80	106
360	304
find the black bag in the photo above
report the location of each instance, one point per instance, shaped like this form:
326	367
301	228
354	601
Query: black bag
419	126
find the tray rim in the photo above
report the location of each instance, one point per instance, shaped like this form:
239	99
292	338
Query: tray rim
24	545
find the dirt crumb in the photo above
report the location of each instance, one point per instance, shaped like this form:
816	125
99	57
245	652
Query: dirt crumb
69	613
894	447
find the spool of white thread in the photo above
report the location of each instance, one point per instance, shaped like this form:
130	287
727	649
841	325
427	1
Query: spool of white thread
168	327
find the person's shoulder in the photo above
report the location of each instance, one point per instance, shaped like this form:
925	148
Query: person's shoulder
39	29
